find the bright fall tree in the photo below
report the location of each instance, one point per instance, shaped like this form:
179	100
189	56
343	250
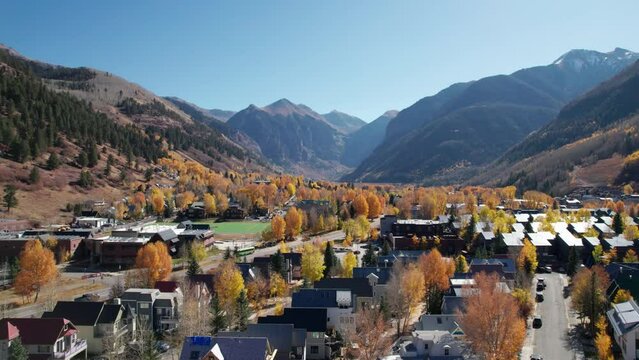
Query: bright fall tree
405	292
622	295
436	271
278	227
527	259
360	205
278	286
630	257
491	321
312	263
293	220
631	232
603	343
588	298
228	283
183	200
461	265
37	268
349	263
210	207
157	201
374	206
155	258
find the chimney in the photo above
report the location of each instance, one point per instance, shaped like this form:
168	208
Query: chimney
117	301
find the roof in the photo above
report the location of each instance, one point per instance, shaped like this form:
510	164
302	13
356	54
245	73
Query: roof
601	227
541	238
83	313
280	336
140	294
321	298
34	331
110	313
487	235
358	286
618	241
593	241
517	227
165	235
311	319
559	226
440	322
580	227
624	317
382	273
522	218
167	286
507	265
206	279
231	348
450	304
569	239
418	222
8	331
513	239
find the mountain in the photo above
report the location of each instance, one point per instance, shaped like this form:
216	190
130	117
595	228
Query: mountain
592	142
345	123
447	137
294	137
361	143
222	115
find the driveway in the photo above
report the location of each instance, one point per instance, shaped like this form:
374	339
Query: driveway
553	340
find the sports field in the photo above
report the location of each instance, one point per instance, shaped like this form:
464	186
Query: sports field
239	227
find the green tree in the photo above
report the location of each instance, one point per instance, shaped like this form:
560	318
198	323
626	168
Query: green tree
86	180
17	351
369	258
193	268
34	175
597	254
386	248
92	155
461	265
53	162
10	199
83	159
278	264
571	269
148	174
330	259
218	317
617	223
242	311
469	232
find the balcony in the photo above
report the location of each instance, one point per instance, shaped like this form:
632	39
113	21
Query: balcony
79	346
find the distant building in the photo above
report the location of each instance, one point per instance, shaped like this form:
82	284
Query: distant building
234	212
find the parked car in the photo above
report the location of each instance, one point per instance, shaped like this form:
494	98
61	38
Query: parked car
541	284
162	347
539	297
536	322
536	357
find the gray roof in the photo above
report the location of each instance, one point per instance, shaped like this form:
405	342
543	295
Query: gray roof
618	241
513	239
569	239
541	238
624	317
280	336
232	348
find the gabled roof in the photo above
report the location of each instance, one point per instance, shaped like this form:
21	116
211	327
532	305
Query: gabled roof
110	313
318	298
83	313
8	331
569	239
34	331
580	227
603	228
382	273
541	238
593	241
517	227
624	317
206	279
618	241
507	265
358	286
513	239
167	286
313	320
231	348
280	336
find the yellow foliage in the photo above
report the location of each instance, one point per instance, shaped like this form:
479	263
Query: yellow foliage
228	283
349	263
155	258
37	268
278	227
312	263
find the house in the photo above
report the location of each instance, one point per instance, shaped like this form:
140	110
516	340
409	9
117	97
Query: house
417	227
289	342
313	321
604	230
361	289
226	348
294	263
377	277
196	210
619	243
96	322
158	309
567	242
513	243
503	267
623	276
51	338
485	239
451	304
234	211
338	304
8	333
624	320
431	344
542	241
90	222
440	322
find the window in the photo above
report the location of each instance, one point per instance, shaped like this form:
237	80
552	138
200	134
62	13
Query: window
425	346
439	320
314	349
446	350
144	305
195	355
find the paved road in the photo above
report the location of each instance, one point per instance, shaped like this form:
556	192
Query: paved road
552	340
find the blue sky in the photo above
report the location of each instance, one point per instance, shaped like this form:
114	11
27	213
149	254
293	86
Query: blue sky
360	57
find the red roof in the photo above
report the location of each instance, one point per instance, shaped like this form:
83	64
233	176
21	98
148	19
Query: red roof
8	331
167	286
40	331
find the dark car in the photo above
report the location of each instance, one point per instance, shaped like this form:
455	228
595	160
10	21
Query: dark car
539	297
162	346
536	357
537	322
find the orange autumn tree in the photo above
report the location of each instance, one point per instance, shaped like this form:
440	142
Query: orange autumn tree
278	227
374	206
437	270
293	222
491	321
360	205
37	268
155	258
157	201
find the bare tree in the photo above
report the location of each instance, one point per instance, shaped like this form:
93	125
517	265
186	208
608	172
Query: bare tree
369	335
194	318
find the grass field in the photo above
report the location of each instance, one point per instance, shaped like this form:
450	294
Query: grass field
239	227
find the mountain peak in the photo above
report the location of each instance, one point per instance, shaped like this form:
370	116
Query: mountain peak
577	59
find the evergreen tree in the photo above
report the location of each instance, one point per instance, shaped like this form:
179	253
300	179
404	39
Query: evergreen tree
469	234
53	162
92	155
148	174
330	259
369	258
218	318
617	224
86	180
242	311
386	248
14	267
227	253
193	268
278	264
34	175
17	351
83	159
10	199
571	268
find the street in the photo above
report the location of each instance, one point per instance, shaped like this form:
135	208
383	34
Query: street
552	340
